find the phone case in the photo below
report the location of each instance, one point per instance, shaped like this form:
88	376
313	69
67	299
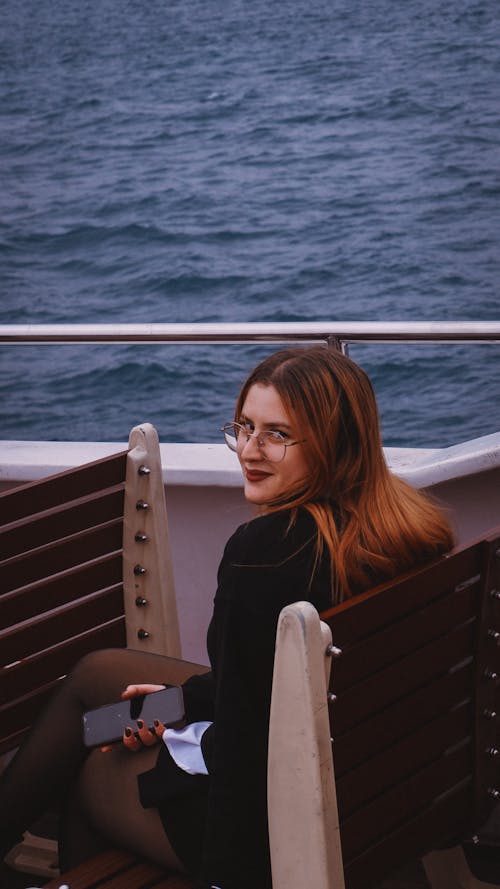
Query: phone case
105	725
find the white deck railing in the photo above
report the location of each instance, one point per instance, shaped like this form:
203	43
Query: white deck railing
338	334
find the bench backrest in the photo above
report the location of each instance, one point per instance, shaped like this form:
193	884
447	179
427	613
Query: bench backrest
413	721
78	551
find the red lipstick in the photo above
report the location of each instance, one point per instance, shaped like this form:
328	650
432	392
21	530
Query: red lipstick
255	475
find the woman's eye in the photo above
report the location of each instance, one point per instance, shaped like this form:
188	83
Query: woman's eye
278	436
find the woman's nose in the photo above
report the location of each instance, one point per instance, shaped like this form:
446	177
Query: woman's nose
251	447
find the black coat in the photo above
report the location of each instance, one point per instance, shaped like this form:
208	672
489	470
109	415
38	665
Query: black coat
218	824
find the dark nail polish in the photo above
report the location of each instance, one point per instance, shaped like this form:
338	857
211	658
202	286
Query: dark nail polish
140	723
156	723
128	732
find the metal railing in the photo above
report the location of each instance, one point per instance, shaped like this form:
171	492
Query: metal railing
338	334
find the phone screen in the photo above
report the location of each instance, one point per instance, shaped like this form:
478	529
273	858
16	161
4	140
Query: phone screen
105	725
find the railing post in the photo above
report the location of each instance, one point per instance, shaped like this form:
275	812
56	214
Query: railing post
334	342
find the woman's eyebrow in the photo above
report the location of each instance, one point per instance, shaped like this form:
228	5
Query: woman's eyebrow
272	425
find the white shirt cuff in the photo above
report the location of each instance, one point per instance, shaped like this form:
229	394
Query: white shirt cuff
184	746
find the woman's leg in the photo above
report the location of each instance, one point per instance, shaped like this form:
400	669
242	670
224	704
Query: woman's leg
49	761
105	809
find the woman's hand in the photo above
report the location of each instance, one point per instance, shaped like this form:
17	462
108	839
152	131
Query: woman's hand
143	737
135	739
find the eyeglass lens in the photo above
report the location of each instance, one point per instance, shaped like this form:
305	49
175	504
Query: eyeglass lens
271	446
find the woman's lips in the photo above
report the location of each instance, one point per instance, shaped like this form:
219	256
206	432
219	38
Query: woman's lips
254	475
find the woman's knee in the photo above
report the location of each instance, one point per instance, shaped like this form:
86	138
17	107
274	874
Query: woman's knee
102	675
93	664
99	676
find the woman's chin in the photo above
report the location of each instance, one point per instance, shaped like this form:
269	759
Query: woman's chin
256	500
255	493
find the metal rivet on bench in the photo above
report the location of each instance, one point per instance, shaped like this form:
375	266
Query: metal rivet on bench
140	537
492	791
490	674
492	751
495	594
490	714
333	651
331	697
144	470
142	634
141	504
138	570
141	601
495	635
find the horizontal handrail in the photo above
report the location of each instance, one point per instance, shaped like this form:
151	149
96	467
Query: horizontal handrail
338	333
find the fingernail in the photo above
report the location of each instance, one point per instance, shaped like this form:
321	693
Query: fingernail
128	732
140	723
156	723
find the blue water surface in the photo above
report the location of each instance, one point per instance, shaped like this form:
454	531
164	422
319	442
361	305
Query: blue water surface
218	160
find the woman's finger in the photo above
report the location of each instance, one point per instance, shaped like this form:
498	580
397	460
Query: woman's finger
147	737
130	740
159	728
143	688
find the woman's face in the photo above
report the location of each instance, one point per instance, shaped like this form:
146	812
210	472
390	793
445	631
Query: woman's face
266	480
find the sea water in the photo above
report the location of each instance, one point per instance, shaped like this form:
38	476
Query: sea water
220	160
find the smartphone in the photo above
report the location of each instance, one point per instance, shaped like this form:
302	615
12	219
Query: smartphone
105	725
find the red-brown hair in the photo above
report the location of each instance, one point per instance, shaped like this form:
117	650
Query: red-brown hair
374	524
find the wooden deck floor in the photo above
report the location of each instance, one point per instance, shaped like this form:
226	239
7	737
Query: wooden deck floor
411	877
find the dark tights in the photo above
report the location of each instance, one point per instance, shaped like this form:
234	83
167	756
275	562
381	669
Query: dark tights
99	790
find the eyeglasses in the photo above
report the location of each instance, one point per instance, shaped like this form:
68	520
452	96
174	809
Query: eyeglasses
272	444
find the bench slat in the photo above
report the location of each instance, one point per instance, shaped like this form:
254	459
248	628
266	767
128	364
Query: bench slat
37	496
58	556
78	515
361	785
436	825
377	819
406	675
402	717
70	619
406	635
381	606
73	583
40	667
18	714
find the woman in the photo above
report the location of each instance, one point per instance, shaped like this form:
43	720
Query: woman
331	521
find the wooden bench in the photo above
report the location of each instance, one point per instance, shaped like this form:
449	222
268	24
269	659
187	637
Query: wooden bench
85	564
414	720
415	691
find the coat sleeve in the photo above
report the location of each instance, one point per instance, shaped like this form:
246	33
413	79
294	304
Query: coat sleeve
199	694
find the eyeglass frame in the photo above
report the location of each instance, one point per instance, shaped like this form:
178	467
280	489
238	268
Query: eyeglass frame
258	437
